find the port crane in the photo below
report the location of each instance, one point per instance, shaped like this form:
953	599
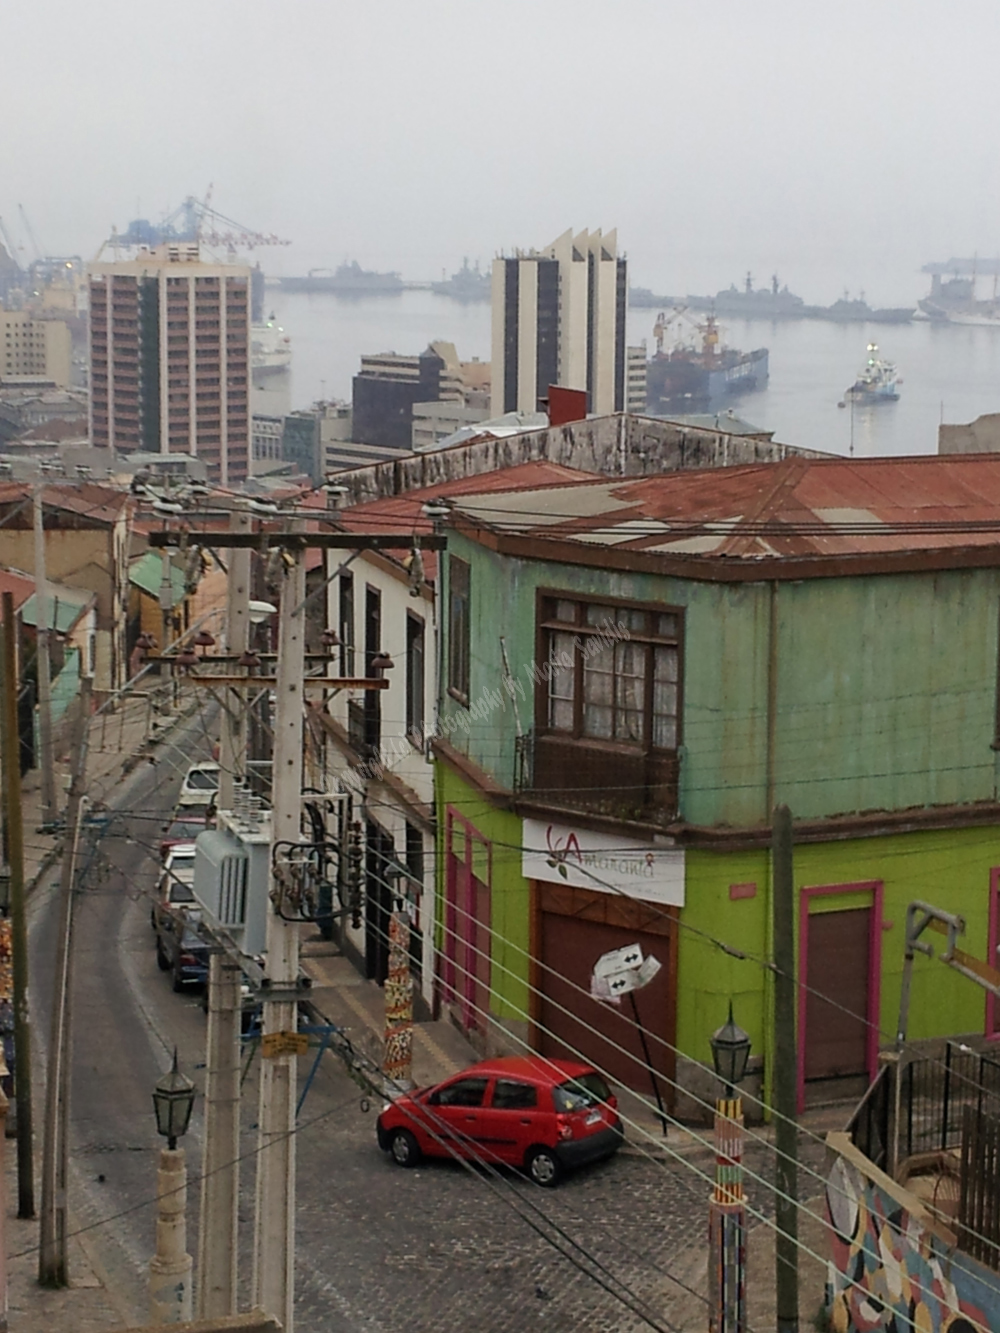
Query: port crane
194	221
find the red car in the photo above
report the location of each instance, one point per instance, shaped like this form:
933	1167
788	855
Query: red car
182	828
526	1111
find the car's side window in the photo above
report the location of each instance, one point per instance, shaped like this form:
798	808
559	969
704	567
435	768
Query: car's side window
463	1092
511	1096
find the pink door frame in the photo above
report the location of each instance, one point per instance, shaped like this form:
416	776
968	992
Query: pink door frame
461	922
992	941
875	888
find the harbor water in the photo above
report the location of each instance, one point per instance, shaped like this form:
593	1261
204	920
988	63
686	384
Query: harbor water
947	373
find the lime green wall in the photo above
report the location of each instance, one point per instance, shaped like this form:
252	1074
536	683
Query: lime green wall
949	869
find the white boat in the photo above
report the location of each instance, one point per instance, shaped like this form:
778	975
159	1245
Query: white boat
270	348
877	380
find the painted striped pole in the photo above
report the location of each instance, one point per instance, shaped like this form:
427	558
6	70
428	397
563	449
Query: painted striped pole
727	1223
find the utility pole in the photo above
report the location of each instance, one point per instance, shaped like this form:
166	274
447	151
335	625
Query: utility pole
786	1133
274	1240
274	1223
220	1182
53	1260
49	811
13	821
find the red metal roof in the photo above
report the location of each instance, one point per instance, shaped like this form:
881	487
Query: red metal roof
799	507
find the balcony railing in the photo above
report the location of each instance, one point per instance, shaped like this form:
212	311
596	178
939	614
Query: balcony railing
620	781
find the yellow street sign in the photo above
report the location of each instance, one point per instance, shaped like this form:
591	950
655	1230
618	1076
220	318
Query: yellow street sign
273	1044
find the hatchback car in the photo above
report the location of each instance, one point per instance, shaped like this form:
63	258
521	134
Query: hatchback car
544	1116
200	784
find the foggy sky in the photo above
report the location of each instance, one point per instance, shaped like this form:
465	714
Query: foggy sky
841	144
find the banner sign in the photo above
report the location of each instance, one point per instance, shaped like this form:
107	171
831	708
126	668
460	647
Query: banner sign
605	862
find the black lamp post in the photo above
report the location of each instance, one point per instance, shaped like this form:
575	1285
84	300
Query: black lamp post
730	1052
173	1101
727	1222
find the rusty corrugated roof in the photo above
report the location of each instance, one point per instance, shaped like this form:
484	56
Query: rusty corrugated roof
799	507
404	513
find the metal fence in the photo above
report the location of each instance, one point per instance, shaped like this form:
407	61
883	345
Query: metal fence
935	1093
979	1206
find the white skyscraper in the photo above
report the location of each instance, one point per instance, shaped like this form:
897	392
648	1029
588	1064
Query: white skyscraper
559	318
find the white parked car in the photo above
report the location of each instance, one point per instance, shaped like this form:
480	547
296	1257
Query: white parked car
200	785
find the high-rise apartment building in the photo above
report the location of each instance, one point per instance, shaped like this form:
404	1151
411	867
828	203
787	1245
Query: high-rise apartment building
559	318
170	358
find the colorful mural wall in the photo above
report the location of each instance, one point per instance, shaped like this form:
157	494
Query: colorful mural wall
894	1267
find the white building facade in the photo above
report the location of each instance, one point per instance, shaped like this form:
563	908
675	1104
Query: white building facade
376	752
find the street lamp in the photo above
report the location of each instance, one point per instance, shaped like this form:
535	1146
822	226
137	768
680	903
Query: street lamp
170	1299
173	1101
730	1052
727	1221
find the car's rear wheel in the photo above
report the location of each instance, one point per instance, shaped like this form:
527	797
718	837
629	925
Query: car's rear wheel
404	1149
162	961
543	1167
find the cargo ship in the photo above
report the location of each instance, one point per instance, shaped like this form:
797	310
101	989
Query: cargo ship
348	280
698	373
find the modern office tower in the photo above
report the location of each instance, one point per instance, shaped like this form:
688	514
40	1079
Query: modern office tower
559	318
388	386
170	358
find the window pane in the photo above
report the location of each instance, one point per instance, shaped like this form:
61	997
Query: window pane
630	690
598	693
665	698
665	664
562	663
565	611
666	626
665	732
510	1096
598	721
466	1092
597	614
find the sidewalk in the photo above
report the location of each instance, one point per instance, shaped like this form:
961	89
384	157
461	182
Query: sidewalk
119	741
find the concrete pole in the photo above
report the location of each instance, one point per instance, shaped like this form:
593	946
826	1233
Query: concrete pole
785	1053
220	1182
170	1267
220	1185
274	1238
233	744
45	759
53	1259
14	824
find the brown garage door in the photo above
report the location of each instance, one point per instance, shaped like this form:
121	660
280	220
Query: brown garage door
835	1041
570	946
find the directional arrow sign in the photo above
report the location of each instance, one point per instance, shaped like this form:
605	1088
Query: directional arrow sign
620	971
